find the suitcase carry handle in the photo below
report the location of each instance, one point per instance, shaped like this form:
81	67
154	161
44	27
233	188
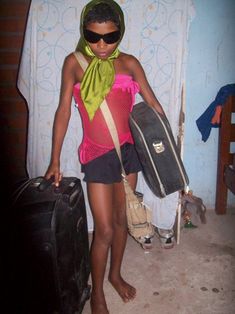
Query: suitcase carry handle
44	185
69	194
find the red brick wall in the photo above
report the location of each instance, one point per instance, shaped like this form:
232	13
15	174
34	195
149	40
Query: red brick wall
13	109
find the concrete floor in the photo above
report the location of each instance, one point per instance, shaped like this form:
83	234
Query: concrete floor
195	277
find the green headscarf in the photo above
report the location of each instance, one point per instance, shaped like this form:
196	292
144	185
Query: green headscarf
99	76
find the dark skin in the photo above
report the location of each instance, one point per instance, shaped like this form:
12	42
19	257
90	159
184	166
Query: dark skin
107	201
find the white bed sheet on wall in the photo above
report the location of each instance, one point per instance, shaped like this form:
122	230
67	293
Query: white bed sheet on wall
156	33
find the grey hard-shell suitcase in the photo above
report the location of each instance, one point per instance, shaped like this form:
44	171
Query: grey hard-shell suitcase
51	248
162	166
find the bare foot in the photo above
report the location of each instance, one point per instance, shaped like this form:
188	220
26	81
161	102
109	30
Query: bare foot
98	304
126	291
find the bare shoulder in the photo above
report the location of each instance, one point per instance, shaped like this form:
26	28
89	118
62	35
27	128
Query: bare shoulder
72	65
70	60
130	62
128	59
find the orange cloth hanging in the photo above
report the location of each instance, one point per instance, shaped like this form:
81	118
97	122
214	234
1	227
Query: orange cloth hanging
217	116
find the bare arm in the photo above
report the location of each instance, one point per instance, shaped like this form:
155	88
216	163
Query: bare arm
145	89
61	120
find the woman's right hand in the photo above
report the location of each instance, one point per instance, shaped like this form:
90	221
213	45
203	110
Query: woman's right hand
54	171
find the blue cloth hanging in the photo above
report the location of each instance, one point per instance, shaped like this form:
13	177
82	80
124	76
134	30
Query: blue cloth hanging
204	123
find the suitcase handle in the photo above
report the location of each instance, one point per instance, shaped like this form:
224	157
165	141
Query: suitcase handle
69	195
45	184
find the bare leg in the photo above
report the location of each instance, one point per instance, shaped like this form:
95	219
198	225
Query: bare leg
125	290
100	199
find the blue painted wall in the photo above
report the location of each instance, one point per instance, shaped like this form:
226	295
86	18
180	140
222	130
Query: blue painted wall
211	65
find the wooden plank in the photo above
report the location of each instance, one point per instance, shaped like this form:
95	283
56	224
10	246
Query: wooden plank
224	156
232	133
12	24
14	121
10	107
11	41
224	131
16	138
16	9
10	57
15	150
229	178
9	92
13	110
233	103
231	159
13	167
8	76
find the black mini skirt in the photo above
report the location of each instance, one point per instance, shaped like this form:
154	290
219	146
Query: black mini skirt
107	168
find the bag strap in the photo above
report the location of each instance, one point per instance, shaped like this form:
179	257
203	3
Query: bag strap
106	113
81	60
113	131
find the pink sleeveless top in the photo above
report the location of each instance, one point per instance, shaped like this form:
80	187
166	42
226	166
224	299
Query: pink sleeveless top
96	137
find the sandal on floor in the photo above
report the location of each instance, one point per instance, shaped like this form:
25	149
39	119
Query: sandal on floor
166	237
147	243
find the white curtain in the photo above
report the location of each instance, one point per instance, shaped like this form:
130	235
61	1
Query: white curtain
156	33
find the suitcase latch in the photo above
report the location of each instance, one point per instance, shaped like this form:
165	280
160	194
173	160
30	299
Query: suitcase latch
159	147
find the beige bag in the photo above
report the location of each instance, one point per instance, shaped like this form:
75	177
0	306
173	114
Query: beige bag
139	216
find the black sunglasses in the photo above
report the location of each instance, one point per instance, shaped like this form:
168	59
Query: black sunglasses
109	38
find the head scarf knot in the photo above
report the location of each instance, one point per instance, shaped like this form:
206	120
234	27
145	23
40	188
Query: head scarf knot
99	76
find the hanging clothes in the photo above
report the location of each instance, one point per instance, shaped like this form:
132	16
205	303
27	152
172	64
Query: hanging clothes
211	116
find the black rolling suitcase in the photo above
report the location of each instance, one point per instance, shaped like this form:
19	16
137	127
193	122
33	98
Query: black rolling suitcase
51	247
162	166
